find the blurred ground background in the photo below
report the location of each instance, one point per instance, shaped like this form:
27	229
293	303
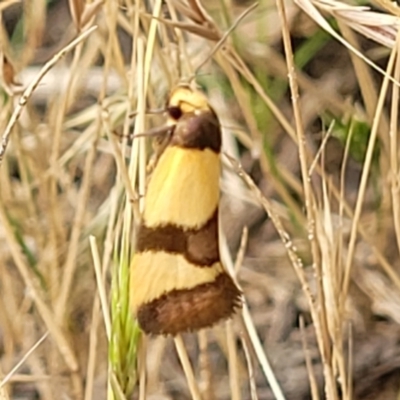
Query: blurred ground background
59	183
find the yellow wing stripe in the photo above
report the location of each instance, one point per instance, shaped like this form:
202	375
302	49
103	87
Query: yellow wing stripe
184	188
156	273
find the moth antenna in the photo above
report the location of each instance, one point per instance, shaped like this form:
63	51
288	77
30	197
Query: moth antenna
154	132
155	111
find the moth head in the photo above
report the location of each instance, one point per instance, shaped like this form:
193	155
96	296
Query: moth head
185	100
194	123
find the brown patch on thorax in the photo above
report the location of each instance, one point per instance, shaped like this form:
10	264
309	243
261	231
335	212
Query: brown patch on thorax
198	130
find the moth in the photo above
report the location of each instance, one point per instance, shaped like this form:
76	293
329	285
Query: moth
177	280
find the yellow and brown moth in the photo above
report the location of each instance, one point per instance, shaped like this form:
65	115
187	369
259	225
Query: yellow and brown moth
177	281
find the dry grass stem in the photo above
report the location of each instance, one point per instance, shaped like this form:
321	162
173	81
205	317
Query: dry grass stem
33	85
250	328
357	14
100	285
252	383
365	175
310	370
7	377
393	146
187	368
234	377
310	206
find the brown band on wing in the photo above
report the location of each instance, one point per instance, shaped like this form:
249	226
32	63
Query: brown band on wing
190	309
198	246
198	131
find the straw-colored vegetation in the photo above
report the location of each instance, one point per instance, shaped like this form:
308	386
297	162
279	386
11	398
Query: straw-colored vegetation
310	208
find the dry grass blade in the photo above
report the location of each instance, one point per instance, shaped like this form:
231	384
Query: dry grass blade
124	349
375	33
189	12
100	286
7	3
350	382
380	27
92	351
76	8
187	368
261	356
389	6
4	394
250	369
24	358
33	85
234	377
203	31
82	12
205	372
89	12
310	371
246	316
365	175
37	295
394	162
142	367
73	248
320	318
